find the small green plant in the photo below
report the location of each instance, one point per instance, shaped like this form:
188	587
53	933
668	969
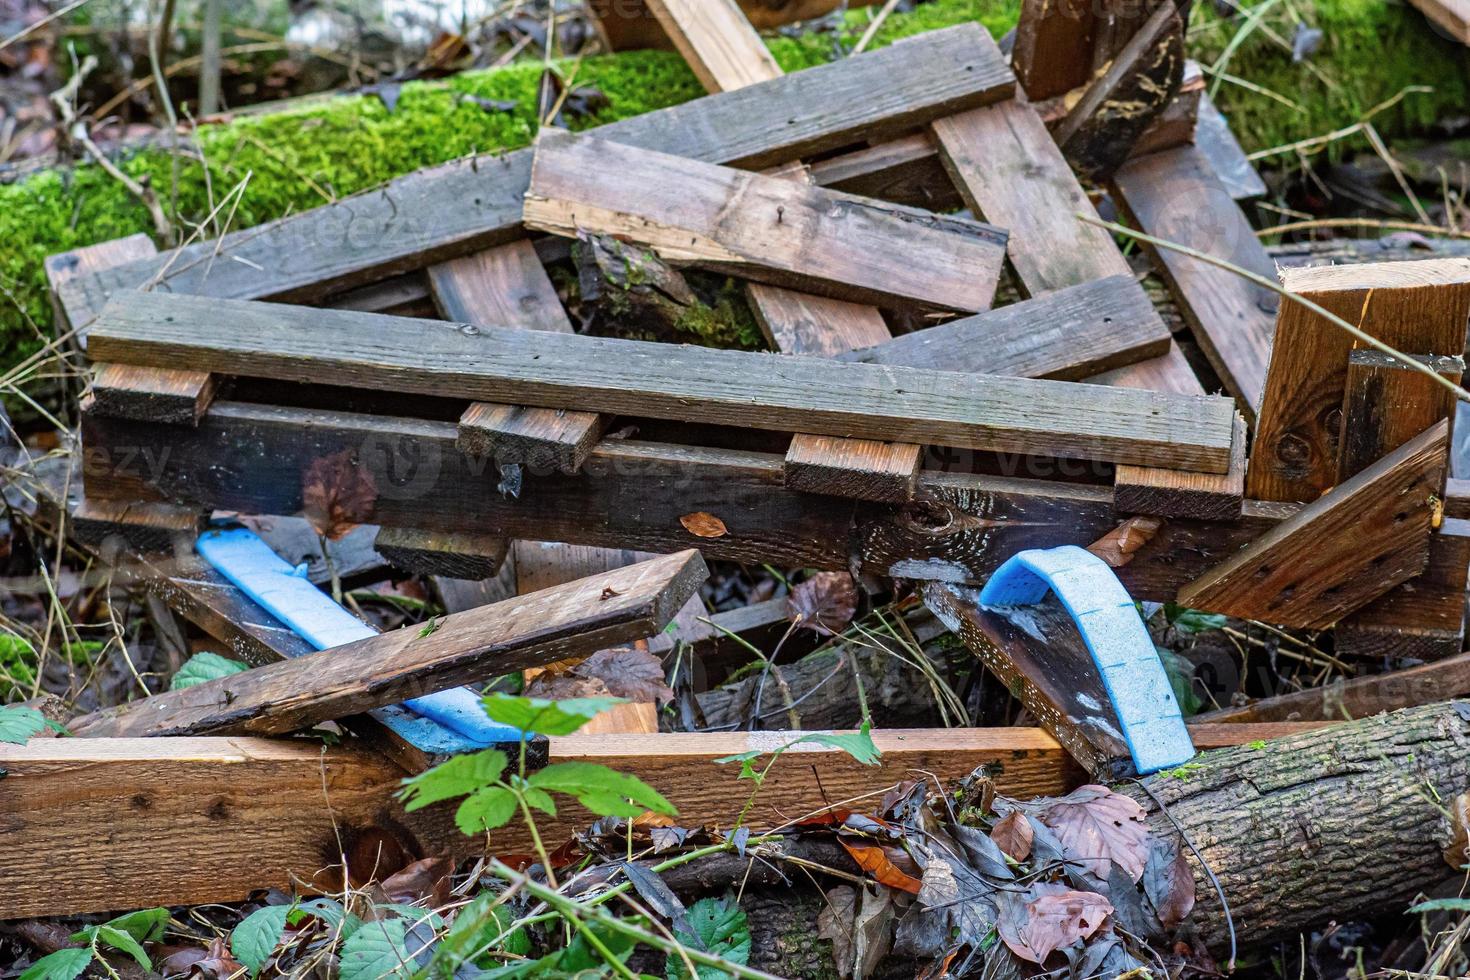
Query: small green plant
859	745
126	934
204	666
18	724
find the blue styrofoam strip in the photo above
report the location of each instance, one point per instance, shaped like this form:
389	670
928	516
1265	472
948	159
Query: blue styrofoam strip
1117	638
284	591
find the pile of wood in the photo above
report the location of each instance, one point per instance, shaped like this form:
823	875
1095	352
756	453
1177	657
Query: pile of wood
410	344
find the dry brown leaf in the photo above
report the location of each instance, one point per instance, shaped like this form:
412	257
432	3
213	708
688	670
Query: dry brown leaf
703	525
337	494
1118	546
1168	881
826	602
628	673
1458	851
1095	826
1050	917
879	862
1013	835
565	687
424	880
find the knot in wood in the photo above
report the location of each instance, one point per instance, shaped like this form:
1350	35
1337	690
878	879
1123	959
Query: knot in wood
928	516
1294	453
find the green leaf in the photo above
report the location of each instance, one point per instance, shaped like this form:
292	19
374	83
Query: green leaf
1192	620
430	628
546	717
64	964
123	942
470	938
415	914
489	808
144	925
379	950
203	667
18	724
460	776
255	939
1442	905
539	799
580	957
717	926
1181	679
598	787
858	745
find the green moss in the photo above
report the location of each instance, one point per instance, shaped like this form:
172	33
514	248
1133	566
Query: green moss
298	159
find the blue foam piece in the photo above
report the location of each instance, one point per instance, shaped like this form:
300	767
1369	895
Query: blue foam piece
285	592
1132	673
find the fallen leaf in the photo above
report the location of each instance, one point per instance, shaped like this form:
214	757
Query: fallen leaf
1118	546
609	593
878	862
1168	881
337	494
564	687
426	880
859	926
835	923
1049	917
1458	851
629	673
825	603
703	525
1012	834
1094	825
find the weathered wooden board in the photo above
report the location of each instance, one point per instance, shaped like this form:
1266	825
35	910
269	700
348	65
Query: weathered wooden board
1424	617
1341	551
152	394
473	204
634	494
629	24
1171	493
294	807
858	468
154	528
458	555
507	286
1053	47
1417	307
717	42
577	619
67	268
1068	334
1386	403
770	229
1174	195
683	383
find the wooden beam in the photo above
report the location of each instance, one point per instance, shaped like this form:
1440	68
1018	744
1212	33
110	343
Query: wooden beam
67	268
152	394
150	527
691	384
1416	307
473	204
1386	403
455	555
717	42
295	807
1067	334
576	619
858	468
1053	47
1359	697
629	24
1424	617
769	229
1175	196
958	527
507	286
1170	493
1339	552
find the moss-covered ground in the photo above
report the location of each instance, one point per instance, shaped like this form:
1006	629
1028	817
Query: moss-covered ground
1373	50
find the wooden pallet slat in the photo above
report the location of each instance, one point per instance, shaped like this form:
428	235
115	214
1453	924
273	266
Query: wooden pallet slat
723	387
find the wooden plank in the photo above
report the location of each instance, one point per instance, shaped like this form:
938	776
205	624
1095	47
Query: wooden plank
858	468
626	25
905	170
1416	307
1424	617
455	555
634	494
1452	17
1068	334
152	394
717	42
1359	697
294	807
723	387
1175	196
475	203
1039	657
579	618
539	439
1170	493
769	229
1341	551
1386	403
508	286
150	527
801	323
66	268
1053	47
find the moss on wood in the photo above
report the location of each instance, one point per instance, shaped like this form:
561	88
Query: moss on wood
300	158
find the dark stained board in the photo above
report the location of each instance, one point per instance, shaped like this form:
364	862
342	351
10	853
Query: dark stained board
152	394
770	229
471	204
725	387
475	557
1171	493
531	630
